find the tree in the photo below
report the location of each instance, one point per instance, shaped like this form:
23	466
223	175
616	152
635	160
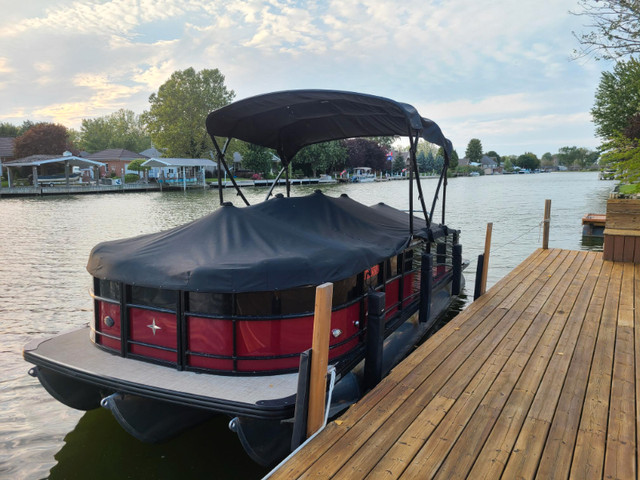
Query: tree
321	157
9	130
362	152
121	129
454	161
43	138
614	29
577	158
256	158
617	99
494	155
474	150
136	165
528	160
176	118
508	165
398	163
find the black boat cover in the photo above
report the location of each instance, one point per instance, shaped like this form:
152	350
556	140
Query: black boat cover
275	245
289	120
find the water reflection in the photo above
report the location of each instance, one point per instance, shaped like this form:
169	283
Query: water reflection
99	448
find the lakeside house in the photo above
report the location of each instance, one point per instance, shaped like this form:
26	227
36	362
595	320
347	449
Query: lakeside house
6	150
116	161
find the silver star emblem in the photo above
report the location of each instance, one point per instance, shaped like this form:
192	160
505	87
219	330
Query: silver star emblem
154	327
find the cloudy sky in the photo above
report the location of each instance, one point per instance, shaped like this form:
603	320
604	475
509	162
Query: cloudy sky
496	70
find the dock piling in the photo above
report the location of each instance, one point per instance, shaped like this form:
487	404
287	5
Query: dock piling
426	286
375	340
547	221
319	357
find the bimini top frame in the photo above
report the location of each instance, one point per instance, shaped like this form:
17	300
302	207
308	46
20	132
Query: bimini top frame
287	121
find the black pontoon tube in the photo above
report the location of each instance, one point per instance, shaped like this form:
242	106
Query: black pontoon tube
226	168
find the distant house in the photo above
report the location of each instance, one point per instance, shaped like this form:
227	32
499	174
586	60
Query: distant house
116	161
490	165
6	150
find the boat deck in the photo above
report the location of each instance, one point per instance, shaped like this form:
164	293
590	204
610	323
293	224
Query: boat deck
74	354
537	378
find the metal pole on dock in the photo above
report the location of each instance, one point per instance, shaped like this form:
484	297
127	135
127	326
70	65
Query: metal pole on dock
545	227
319	357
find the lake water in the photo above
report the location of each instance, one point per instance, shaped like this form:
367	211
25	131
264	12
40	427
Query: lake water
44	246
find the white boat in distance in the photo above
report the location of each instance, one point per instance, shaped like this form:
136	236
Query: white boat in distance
362	175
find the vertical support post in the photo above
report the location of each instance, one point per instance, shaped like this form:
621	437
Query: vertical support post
9	177
66	173
375	339
319	357
34	170
302	401
456	257
477	290
545	227
485	261
441	252
426	287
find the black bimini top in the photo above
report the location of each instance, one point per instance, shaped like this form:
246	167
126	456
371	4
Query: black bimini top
275	245
290	120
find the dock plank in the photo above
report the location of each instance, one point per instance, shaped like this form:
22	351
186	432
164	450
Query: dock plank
536	378
621	441
493	458
588	459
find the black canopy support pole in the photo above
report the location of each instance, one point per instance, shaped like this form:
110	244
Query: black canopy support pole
288	180
444	187
226	168
411	154
275	182
418	184
217	147
435	197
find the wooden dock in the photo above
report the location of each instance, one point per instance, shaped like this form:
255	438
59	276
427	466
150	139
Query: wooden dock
536	378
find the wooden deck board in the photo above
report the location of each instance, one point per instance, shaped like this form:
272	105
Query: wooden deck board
537	378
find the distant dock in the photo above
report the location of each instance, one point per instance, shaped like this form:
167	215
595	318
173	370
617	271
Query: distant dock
76	190
536	378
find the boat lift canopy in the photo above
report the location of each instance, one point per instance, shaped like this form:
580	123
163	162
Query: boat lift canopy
287	121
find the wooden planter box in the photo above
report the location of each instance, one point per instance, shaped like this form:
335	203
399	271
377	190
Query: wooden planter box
622	231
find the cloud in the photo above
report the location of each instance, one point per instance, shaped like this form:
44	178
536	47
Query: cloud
471	65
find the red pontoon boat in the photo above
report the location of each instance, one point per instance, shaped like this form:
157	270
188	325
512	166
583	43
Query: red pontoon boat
212	317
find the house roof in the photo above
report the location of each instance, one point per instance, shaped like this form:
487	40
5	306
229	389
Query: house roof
6	147
37	160
488	161
115	154
152	152
179	162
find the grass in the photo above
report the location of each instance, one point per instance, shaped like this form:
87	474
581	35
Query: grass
630	188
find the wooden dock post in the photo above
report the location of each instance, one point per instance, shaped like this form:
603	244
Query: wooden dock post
319	357
547	221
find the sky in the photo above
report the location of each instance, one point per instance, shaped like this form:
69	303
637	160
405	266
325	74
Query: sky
499	70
